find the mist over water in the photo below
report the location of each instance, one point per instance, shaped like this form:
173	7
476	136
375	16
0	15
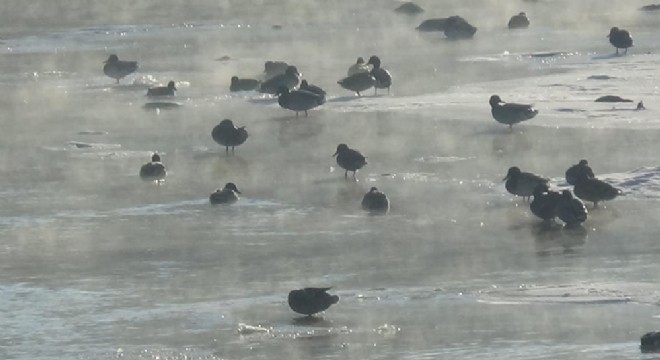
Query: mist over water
97	264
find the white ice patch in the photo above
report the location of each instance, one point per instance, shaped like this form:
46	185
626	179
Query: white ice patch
643	182
580	293
245	329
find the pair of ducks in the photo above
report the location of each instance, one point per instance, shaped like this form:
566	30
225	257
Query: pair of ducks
155	171
548	204
118	69
374	201
277	73
283	85
361	78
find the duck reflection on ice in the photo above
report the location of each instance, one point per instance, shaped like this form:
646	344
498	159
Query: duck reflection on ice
552	238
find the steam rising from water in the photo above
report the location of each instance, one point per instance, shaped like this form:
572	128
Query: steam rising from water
97	263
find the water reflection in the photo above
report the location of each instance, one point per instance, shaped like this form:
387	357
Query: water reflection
292	130
316	321
553	238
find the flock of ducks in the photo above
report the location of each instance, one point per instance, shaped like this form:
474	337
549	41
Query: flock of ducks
296	94
549	204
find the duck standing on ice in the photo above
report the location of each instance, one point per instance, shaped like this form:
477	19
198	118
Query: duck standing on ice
226	134
522	183
510	113
118	69
349	159
298	100
382	76
621	39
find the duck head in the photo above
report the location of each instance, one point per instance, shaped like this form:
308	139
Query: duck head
340	148
373	189
304	84
375	61
155	158
231	186
613	31
360	61
112	59
583	162
171	85
513	171
495	100
227	123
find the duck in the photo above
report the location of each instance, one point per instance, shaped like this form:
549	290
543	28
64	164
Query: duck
571	210
305	86
594	190
577	171
169	90
375	201
228	195
154	170
358	82
409	8
118	69
349	159
436	24
545	202
382	76
238	84
650	342
522	183
621	39
290	79
612	98
457	28
273	68
358	67
298	100
309	301
510	113
519	21
227	134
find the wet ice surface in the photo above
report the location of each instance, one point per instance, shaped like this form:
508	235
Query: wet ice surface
98	264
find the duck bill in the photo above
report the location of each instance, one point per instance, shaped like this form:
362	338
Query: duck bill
335	154
238	191
506	178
